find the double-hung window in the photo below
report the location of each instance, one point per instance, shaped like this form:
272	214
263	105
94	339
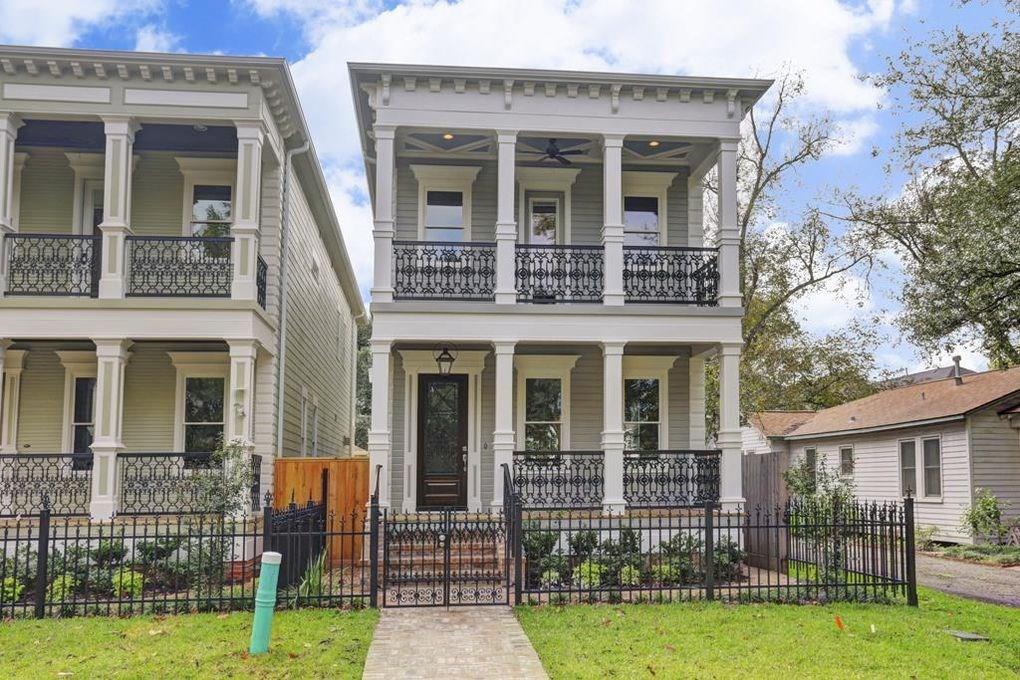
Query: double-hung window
210	210
931	450
846	461
640	221
543	414
544	220
921	467
444	216
908	466
641	410
83	421
203	414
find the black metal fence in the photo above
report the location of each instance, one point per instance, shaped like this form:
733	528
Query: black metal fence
179	266
670	274
433	270
559	479
53	264
555	273
671	479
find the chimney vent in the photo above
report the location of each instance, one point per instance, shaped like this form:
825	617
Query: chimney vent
957	376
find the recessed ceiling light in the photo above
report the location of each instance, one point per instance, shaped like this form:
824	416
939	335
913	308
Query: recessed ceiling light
447	136
654	142
198	127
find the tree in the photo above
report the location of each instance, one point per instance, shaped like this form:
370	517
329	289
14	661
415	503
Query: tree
956	223
363	407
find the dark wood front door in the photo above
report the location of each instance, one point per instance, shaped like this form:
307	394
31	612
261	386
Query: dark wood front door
442	441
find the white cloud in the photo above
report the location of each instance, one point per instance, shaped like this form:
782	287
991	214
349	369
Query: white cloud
150	38
834	304
59	24
851	135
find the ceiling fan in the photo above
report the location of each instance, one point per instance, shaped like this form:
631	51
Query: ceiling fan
553	152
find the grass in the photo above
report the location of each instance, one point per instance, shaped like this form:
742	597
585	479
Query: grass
712	640
995	555
305	643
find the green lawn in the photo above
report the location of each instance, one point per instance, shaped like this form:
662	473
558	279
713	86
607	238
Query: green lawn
306	643
715	640
995	555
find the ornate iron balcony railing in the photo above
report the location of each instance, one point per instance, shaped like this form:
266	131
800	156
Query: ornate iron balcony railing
673	275
261	282
433	270
53	264
179	266
27	480
156	483
670	478
559	479
554	273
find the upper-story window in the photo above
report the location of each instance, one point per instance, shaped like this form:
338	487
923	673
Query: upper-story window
544	220
641	414
640	220
444	216
210	210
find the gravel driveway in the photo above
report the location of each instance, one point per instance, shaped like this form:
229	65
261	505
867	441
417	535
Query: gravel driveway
991	584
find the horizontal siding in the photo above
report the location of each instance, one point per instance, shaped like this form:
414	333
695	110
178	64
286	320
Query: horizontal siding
41	403
995	447
157	196
47	192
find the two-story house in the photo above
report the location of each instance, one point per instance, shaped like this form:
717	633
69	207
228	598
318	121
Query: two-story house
172	274
545	293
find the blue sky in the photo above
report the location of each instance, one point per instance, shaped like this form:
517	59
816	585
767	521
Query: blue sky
832	43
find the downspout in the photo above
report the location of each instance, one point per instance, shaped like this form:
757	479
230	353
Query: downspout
281	329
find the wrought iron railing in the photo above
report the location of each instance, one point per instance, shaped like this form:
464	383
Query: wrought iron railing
674	275
559	479
53	264
261	281
670	478
158	483
256	481
179	266
29	479
553	273
426	270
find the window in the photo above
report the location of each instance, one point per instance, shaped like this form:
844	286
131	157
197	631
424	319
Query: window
543	414
203	414
641	414
932	452
544	220
444	216
82	422
640	221
846	461
908	467
811	465
210	210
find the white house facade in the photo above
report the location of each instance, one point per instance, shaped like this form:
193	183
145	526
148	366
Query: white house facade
545	294
172	274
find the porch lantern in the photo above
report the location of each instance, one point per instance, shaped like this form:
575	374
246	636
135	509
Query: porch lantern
444	359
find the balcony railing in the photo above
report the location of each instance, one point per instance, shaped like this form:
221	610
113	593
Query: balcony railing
53	264
672	275
670	478
261	282
559	479
179	266
553	273
426	270
27	480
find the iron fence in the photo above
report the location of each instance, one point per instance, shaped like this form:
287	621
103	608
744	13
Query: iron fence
555	273
175	483
53	264
261	282
559	479
179	266
440	270
27	479
671	479
672	275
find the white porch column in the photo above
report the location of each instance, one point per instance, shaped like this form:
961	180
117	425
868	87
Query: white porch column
730	484
111	358
729	232
9	124
241	389
379	443
503	436
247	199
612	425
612	229
11	364
506	226
695	211
696	401
382	286
116	224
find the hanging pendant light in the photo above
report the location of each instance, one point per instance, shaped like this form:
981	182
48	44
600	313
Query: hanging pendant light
444	357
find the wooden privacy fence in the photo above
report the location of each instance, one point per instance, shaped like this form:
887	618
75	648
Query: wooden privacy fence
340	483
764	490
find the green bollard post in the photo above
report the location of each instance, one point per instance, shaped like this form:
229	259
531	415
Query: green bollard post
265	602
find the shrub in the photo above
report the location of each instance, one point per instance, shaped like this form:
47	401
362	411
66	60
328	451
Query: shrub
683	553
630	576
62	588
538	544
668	573
925	537
550	578
21	565
583	544
10	589
589	574
728	559
128	583
109	553
983	519
619	554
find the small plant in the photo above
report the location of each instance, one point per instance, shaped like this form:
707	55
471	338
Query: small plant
61	590
924	537
10	589
550	578
312	580
583	544
227	493
668	573
729	557
589	574
630	576
983	519
128	583
109	553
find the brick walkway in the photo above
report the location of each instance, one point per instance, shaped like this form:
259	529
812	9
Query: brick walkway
465	642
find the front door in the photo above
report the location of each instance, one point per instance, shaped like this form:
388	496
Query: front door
442	441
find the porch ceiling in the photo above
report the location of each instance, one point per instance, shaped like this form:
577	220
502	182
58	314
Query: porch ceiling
89	136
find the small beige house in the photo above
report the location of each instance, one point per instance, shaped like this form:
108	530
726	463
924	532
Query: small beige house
172	273
941	440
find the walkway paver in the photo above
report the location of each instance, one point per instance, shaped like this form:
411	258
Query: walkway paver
976	581
466	642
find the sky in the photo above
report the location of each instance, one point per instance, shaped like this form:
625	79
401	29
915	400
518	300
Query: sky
834	44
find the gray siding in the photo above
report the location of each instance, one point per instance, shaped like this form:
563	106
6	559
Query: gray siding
995	457
47	192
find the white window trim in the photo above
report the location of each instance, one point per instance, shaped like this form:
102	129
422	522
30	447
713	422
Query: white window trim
544	366
88	168
20	158
77	364
10	398
197	365
646	184
303	432
445	178
853	460
199	171
416	362
657	367
545	179
559	216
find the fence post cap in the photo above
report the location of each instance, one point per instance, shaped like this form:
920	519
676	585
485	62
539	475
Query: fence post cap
270	557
